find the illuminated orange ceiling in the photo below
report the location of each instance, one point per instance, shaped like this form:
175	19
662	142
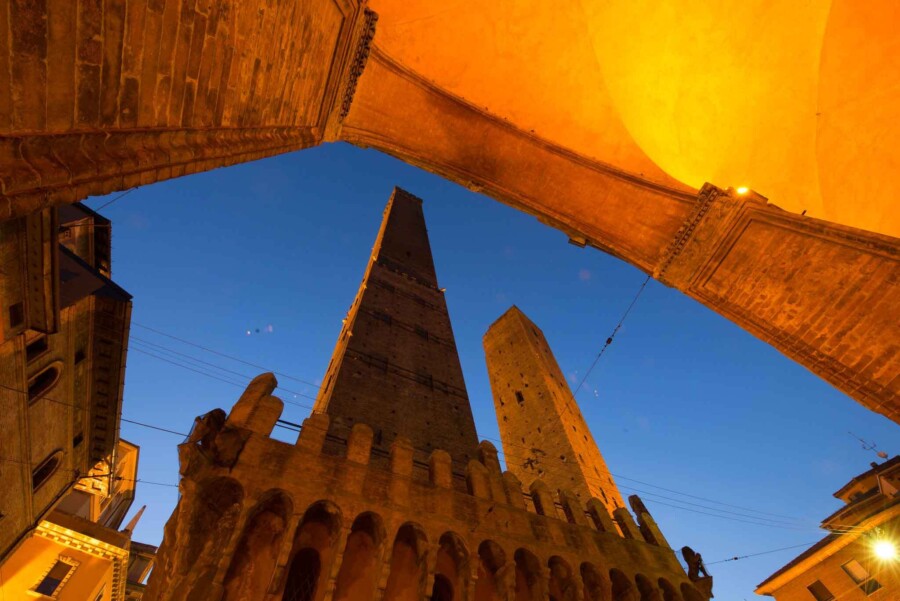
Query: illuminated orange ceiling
798	100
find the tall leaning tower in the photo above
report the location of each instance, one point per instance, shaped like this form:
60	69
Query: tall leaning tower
395	366
386	495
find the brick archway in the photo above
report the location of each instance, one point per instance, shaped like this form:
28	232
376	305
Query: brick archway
96	100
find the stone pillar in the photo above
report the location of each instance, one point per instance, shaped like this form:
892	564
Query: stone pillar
477	480
572	507
359	445
440	469
313	432
505	579
514	491
284	554
649	529
257	410
340	545
487	454
598	513
431	568
626	523
543	499
402	468
135	104
384	571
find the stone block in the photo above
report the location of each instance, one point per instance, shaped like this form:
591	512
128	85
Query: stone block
359	444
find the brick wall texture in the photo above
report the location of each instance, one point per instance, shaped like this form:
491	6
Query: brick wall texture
104	95
396	367
544	434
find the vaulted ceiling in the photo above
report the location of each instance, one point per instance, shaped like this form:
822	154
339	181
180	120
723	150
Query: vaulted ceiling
800	101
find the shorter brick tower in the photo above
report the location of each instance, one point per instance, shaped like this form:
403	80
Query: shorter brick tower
543	431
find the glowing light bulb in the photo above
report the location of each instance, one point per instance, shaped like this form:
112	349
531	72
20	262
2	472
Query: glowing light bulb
743	190
885	549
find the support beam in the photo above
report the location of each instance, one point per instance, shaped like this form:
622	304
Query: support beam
400	113
97	101
825	295
102	100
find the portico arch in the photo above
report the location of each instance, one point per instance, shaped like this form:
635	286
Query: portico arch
113	121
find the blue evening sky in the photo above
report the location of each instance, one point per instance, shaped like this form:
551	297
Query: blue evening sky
683	402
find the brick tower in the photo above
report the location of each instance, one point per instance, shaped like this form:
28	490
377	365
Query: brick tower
543	431
346	514
395	366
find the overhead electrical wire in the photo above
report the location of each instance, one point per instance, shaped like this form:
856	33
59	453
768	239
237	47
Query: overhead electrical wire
122	195
507	453
295	427
216	377
761	520
137	423
611	336
618	476
206	363
738	557
215	352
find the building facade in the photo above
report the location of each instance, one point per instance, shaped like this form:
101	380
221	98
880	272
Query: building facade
77	552
68	480
405	504
65	328
859	558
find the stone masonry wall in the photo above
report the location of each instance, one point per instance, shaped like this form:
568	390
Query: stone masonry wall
243	491
104	95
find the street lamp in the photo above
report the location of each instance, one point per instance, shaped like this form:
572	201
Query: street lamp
884	549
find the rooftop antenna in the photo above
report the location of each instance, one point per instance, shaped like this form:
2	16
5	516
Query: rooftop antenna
869	446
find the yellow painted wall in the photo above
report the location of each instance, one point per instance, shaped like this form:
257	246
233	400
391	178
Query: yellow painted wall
27	565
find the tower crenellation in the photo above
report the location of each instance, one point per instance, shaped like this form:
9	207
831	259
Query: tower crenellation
491	508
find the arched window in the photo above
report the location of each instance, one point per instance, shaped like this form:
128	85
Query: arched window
528	572
358	574
646	589
302	576
43	382
256	554
670	593
451	567
492	559
47	468
622	588
312	554
406	580
562	583
442	589
596	585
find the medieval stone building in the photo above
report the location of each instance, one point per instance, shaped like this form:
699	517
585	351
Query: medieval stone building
387	494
